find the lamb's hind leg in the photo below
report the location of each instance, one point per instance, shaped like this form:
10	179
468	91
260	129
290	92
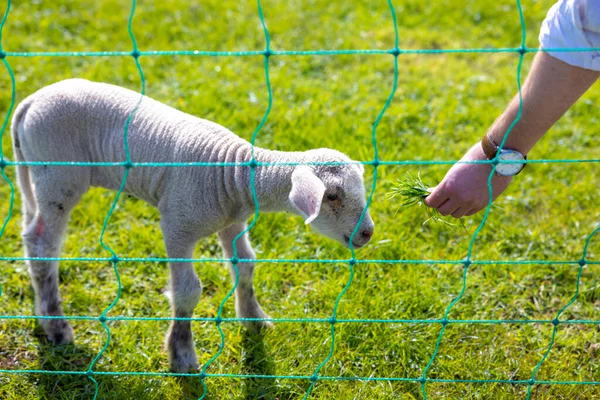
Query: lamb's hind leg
43	238
184	294
246	305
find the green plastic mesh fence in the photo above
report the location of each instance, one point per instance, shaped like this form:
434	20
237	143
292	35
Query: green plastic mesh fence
267	53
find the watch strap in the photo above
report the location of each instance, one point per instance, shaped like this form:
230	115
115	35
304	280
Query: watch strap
489	147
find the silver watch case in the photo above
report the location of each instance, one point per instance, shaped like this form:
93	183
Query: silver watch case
510	169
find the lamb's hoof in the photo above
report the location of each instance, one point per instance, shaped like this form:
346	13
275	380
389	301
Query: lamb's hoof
184	362
58	331
180	347
248	307
259	326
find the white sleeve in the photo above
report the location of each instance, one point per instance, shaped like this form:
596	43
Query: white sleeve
573	24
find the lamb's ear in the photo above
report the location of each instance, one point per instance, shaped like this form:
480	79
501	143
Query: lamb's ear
307	192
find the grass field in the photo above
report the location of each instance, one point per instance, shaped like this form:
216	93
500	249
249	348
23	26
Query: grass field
443	104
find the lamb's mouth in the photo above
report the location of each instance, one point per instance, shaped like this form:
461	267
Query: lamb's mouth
347	241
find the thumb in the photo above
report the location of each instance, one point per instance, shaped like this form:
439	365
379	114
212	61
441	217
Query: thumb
436	198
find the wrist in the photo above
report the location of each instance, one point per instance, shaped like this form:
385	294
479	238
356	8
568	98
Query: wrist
510	161
476	153
513	142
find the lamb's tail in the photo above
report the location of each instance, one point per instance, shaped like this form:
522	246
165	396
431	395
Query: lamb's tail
23	177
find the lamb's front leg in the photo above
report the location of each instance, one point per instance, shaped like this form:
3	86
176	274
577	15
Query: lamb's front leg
246	305
184	294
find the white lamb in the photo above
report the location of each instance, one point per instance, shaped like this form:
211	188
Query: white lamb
79	120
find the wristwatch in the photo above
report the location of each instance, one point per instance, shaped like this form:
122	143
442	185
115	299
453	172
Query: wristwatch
490	148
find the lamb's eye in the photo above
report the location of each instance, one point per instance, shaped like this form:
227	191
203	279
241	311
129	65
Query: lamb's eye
332	197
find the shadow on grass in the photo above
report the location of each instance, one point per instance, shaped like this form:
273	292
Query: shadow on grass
77	358
191	387
255	361
62	358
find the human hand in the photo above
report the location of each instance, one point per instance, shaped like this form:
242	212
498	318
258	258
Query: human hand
464	189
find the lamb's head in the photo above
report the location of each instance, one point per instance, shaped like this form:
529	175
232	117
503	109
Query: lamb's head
332	197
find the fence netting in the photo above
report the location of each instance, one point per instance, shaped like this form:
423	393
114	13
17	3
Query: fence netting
204	373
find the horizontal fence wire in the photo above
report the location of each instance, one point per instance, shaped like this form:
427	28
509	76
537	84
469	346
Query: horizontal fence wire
314	320
375	163
299	260
115	260
394	52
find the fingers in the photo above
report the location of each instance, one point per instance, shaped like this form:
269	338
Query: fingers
476	210
461	212
464	190
457	208
449	207
446	206
436	198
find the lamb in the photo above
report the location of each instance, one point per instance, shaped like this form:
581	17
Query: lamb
79	120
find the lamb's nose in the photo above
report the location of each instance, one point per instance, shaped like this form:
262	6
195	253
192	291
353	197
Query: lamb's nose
367	234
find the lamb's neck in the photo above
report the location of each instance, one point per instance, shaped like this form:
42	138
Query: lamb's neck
273	183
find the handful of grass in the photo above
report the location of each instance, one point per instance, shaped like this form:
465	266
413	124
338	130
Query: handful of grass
413	191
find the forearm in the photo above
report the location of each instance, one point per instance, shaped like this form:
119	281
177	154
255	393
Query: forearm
550	89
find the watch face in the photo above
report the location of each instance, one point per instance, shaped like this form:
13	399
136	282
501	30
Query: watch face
509	169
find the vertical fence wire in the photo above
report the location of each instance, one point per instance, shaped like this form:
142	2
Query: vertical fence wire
467	261
252	165
127	166
352	262
4	125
